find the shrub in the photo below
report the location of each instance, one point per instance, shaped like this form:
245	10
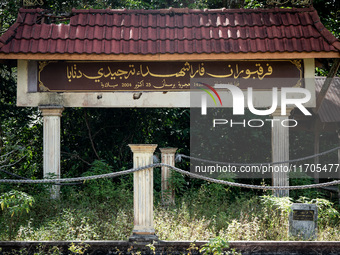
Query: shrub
13	204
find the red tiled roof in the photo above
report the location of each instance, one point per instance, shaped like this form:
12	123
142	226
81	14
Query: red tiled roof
170	31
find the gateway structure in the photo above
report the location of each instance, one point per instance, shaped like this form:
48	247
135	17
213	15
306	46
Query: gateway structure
147	58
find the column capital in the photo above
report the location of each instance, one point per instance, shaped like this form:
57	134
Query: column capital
168	150
51	110
143	148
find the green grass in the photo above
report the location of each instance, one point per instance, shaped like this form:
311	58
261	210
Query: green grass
199	214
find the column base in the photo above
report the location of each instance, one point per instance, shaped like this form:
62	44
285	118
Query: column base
142	239
281	193
55	191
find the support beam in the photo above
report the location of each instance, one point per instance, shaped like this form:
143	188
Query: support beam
51	144
280	152
143	229
168	157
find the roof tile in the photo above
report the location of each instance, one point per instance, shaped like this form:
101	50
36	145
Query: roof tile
107	47
52	45
34	46
57	32
239	21
307	45
45	31
99	19
284	19
152	21
91	19
170	31
328	36
80	32
42	46
89	32
30	18
99	33
256	19
336	45
303	18
19	32
79	45
273	19
24	45
60	47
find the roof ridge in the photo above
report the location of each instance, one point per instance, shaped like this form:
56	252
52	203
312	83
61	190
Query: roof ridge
37	10
177	26
190	11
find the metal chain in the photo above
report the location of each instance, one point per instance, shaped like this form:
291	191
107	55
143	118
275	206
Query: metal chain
249	186
15	175
179	156
193	175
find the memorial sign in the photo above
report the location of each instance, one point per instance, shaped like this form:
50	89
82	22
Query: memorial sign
64	76
307	215
303	221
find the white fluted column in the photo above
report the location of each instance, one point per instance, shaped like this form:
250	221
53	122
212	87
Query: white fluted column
168	157
143	189
51	144
280	152
339	157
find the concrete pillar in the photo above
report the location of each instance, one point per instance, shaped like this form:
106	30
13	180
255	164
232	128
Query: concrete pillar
51	144
339	151
338	176
316	148
168	157
143	229
280	152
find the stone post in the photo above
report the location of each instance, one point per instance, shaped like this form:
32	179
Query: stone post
303	221
280	152
168	157
51	144
338	177
316	148
339	149
143	229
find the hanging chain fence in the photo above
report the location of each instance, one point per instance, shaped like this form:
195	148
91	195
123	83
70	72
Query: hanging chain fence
23	180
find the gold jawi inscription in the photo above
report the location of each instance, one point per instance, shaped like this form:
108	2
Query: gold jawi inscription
66	76
307	215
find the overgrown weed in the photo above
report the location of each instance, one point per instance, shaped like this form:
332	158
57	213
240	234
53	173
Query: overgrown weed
210	211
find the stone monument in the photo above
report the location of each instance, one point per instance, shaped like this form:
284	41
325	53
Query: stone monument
303	221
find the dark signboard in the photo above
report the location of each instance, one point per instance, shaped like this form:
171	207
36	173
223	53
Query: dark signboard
303	215
63	76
